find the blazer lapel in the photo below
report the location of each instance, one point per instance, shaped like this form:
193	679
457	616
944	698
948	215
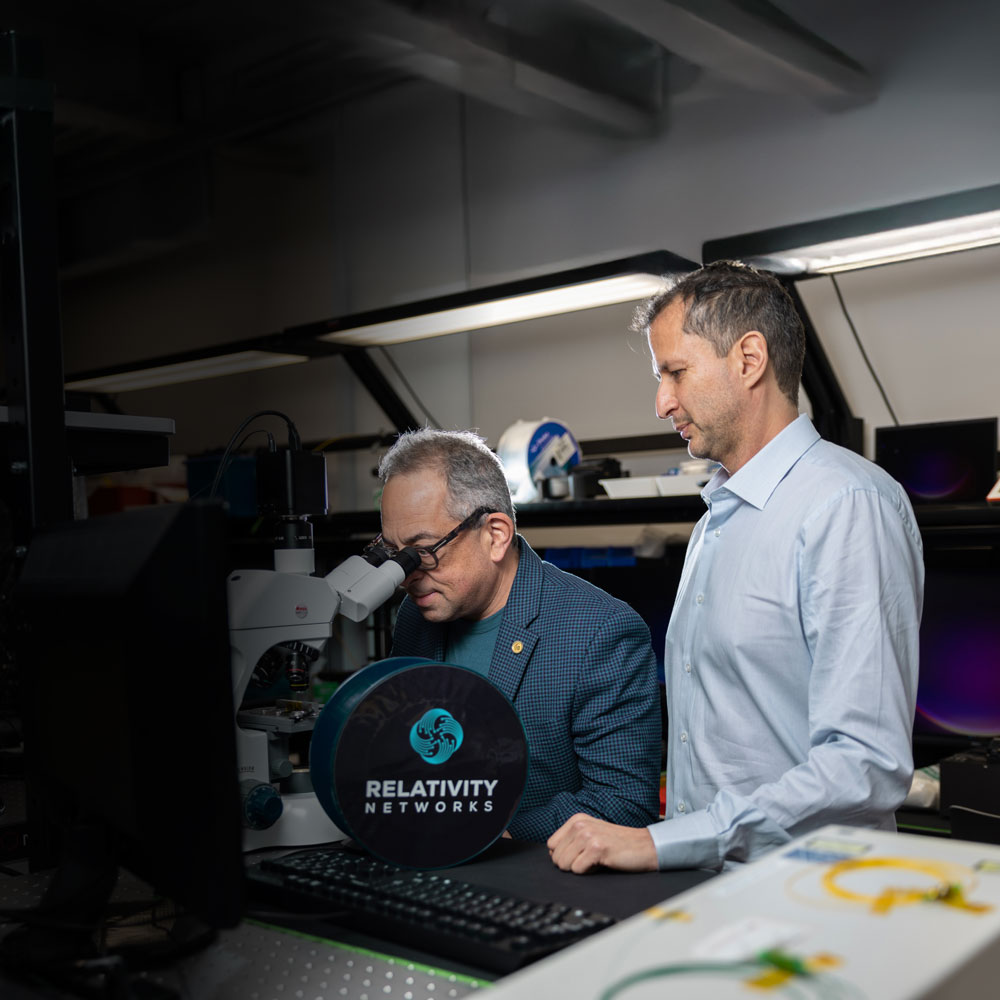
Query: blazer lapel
515	640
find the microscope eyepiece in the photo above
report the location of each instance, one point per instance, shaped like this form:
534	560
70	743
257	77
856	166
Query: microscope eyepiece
375	554
408	559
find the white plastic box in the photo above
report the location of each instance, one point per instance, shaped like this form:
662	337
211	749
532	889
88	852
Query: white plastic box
839	914
629	487
682	484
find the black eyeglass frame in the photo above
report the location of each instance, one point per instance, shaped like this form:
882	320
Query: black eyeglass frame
431	551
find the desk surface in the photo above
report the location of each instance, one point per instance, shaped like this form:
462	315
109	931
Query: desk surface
522	868
328	962
525	869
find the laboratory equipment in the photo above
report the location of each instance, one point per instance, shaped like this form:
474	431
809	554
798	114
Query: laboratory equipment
284	617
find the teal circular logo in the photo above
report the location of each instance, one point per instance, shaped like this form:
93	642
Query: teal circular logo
436	735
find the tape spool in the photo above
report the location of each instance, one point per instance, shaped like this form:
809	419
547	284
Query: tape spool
422	763
533	450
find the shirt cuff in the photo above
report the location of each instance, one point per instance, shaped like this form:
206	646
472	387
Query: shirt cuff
689	841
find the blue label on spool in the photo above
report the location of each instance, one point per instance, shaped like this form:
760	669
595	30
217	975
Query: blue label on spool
553	448
422	763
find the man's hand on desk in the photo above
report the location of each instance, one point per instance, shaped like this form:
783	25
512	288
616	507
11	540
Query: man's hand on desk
584	842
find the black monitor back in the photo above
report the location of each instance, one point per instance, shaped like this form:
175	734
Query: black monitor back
950	462
128	711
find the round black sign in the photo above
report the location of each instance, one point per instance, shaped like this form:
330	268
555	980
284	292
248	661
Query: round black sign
422	763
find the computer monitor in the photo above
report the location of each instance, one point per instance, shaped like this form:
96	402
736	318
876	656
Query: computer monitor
128	717
950	462
958	697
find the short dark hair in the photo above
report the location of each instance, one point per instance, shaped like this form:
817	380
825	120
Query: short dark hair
474	474
726	299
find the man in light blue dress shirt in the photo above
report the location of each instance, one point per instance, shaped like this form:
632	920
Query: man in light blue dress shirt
792	651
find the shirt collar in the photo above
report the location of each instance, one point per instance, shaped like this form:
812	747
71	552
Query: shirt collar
756	481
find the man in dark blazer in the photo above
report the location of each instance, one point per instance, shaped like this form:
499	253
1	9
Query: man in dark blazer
576	663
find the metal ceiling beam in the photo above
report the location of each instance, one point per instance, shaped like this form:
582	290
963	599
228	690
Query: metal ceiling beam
485	63
752	43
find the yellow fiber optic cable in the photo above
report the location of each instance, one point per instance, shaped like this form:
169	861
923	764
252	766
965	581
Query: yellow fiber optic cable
947	891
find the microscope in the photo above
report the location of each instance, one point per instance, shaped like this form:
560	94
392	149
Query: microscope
283	617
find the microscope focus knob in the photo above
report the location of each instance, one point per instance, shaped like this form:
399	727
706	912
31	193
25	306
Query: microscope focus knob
261	804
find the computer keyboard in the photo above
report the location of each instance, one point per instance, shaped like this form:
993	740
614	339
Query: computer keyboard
427	910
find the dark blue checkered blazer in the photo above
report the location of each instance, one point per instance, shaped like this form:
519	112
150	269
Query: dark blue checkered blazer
584	684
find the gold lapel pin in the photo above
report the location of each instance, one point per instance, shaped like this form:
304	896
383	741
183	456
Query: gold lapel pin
516	646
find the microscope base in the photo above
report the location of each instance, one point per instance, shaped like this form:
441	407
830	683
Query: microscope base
302	823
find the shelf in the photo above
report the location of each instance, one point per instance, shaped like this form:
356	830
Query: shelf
959	524
945	528
982	519
110	442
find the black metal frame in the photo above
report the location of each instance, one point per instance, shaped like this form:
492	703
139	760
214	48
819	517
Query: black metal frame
39	477
370	375
832	413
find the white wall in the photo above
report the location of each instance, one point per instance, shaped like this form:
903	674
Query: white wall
930	329
382	219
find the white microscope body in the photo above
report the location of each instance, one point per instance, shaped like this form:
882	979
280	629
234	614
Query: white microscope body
289	605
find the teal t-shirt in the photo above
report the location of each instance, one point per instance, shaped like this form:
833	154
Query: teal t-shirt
470	644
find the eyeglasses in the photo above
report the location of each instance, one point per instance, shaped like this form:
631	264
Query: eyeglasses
429	554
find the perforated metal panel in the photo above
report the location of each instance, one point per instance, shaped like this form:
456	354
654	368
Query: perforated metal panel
259	962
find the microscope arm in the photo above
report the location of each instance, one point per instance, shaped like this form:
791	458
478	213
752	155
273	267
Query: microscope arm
267	607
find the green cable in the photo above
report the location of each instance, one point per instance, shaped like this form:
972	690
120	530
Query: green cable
822	985
784	962
730	968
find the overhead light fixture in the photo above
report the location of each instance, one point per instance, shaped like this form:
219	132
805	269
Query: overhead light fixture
946	224
153	375
626	280
888	248
611	283
514	309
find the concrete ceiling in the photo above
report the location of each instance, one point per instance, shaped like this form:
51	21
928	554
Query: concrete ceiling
144	88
